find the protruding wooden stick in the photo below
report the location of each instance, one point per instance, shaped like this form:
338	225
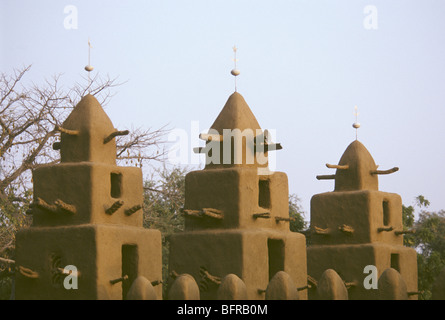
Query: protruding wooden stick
174	274
266	146
264	215
67	131
397	233
156	283
350	284
121	279
62	271
211	137
58	207
204	212
114	207
337	166
346	229
39	202
326	177
199	150
133	209
272	147
304	288
261	291
320	231
206	277
277	219
389	171
413	293
7	261
312	280
386	229
213	213
192	213
28	273
115	134
65	207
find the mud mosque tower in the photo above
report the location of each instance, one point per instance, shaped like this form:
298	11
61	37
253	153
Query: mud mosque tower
237	237
357	225
87	214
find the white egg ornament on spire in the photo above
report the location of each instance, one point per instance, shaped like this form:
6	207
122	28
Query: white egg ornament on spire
89	67
356	125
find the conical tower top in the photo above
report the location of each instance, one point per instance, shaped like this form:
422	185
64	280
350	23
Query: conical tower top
88	134
356	170
235	114
236	138
360	167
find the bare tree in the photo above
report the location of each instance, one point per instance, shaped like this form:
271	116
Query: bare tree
29	116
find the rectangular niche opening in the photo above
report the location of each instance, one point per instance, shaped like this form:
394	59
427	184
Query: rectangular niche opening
130	260
276	256
386	213
116	185
264	194
395	261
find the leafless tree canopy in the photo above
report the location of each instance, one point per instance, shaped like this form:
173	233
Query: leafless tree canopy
29	115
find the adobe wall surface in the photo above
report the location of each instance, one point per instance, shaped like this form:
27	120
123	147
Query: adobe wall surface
349	261
88	187
236	192
255	256
87	213
363	211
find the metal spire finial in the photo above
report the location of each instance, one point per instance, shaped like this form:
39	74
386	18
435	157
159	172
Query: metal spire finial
89	68
356	125
235	72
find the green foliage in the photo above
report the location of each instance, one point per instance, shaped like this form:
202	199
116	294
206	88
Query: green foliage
429	242
408	223
163	201
297	213
12	218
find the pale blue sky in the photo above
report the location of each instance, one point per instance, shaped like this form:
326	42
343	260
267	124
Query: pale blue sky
304	66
